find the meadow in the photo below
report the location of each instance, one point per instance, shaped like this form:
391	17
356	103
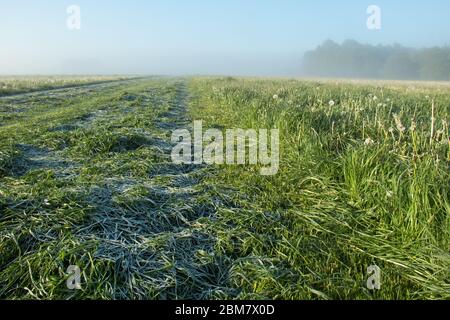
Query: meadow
22	84
86	179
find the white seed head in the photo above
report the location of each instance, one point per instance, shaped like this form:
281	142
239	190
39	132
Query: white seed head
398	123
368	142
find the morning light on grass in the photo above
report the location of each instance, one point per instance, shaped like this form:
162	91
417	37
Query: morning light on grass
329	180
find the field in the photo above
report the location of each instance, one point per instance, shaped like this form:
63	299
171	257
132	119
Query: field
86	179
16	84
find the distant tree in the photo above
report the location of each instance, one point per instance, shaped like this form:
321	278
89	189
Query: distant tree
401	65
434	64
356	60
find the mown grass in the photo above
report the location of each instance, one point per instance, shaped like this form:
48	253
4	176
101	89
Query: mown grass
364	179
86	179
22	84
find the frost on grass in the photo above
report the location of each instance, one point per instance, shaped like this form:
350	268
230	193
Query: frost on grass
137	232
86	179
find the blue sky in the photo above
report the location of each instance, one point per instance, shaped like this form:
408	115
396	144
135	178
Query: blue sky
242	37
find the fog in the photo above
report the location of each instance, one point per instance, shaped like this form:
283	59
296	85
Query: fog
355	60
249	38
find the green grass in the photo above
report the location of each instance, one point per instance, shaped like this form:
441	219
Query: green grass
86	179
356	187
23	84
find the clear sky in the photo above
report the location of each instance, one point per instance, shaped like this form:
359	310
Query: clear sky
242	37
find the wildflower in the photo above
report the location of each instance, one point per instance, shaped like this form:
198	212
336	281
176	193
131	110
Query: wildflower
391	130
413	126
368	142
331	103
275	96
46	202
375	98
389	194
398	123
442	130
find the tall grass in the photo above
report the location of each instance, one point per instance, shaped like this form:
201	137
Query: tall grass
364	179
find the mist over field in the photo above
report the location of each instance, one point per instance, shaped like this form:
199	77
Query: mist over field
250	38
224	150
352	59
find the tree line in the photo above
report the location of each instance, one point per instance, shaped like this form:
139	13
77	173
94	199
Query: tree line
352	59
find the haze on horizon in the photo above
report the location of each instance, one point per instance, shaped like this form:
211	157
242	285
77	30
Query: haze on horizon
175	37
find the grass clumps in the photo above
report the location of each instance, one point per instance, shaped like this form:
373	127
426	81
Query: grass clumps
363	180
100	142
86	179
98	190
9	156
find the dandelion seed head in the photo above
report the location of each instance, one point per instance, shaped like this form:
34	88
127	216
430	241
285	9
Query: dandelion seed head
368	142
398	123
412	128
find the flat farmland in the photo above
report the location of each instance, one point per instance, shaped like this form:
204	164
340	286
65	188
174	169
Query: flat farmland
87	180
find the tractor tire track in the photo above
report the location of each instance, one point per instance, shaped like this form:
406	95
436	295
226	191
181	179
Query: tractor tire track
155	241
